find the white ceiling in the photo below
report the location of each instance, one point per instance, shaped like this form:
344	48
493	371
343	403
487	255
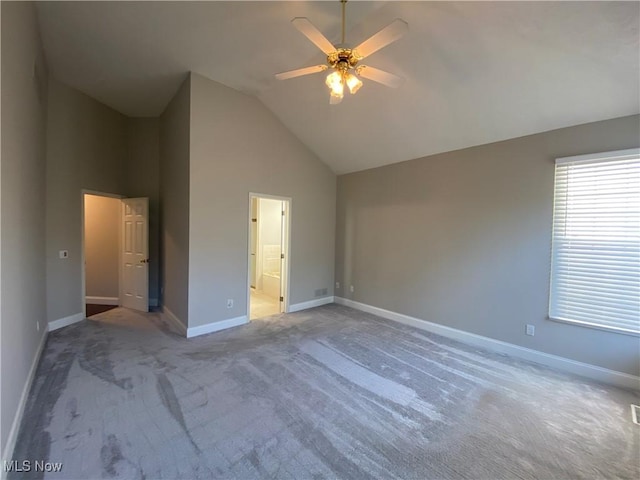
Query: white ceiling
475	72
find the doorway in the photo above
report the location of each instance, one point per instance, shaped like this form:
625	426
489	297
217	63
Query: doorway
101	253
115	263
268	285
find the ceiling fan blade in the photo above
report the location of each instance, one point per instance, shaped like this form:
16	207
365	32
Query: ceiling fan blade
300	72
312	33
384	37
380	76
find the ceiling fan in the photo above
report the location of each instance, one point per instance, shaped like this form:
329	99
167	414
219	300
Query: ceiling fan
343	61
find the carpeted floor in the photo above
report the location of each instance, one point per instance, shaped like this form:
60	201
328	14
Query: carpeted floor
324	393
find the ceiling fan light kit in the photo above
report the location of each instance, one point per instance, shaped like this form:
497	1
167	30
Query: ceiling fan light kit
343	61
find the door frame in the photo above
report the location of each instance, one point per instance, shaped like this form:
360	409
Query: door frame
83	275
286	243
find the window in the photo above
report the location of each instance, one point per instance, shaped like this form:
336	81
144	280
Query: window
595	266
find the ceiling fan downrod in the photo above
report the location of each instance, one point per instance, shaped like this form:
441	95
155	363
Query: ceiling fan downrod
344	17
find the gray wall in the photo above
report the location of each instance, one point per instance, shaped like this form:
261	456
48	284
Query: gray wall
142	179
237	147
86	149
22	187
463	239
102	246
91	146
174	203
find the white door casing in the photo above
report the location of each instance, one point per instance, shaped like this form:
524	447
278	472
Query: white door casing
285	275
283	255
134	285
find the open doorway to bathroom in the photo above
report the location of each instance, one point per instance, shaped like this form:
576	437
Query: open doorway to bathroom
268	255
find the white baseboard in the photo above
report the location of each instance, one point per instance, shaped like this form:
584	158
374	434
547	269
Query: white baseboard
17	419
296	307
216	326
63	322
594	372
174	320
153	302
102	300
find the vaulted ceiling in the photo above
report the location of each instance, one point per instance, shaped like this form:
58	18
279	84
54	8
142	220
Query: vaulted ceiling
475	72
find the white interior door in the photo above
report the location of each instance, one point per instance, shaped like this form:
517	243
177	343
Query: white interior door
134	292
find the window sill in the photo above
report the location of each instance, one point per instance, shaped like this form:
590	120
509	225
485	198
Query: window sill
595	326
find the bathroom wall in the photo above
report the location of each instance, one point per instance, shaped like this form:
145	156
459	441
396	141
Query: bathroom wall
269	235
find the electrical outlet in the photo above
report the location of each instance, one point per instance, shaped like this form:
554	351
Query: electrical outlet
337	284
63	253
530	330
229	302
351	289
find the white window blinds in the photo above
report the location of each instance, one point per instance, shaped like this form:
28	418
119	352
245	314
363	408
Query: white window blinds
595	269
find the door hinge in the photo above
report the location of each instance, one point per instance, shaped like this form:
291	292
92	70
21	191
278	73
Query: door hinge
282	255
282	299
283	213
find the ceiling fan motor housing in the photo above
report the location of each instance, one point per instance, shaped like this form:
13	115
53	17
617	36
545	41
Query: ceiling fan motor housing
343	59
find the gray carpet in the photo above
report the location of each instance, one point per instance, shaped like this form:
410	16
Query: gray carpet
325	393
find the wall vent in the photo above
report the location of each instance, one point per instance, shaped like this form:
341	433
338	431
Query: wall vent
321	292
